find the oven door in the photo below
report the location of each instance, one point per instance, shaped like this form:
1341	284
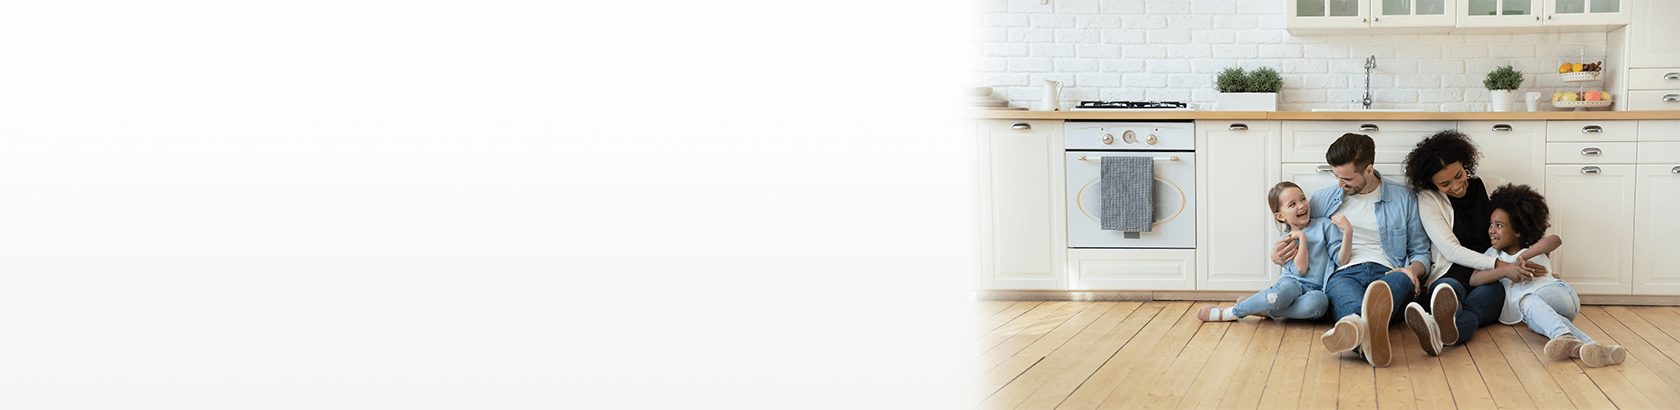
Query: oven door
1175	203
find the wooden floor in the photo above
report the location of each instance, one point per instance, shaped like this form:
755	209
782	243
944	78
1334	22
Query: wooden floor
1102	355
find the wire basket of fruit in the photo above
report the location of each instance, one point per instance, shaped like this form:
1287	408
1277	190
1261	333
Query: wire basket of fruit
1578	72
1582	100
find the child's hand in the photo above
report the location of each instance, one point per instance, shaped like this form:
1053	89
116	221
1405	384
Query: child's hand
1341	222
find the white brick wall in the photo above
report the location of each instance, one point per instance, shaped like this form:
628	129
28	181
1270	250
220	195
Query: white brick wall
1171	50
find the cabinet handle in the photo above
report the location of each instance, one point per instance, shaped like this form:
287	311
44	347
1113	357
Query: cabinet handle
1591	151
1672	76
1367	127
1239	127
1364	20
1671	98
1592	128
1589	170
1021	126
1325	169
1502	127
1676	169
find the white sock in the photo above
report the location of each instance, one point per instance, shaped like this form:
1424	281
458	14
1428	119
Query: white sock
1228	315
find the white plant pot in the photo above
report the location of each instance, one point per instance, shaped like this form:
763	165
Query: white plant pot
1502	100
1248	101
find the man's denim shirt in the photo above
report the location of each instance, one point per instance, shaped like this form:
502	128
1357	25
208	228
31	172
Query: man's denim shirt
1403	238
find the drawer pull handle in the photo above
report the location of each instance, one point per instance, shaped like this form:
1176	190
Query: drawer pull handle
1325	169
1676	169
1592	128
1671	76
1589	170
1502	127
1021	126
1591	151
1368	127
1239	127
1671	98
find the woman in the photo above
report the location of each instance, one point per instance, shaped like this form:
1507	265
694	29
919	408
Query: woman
1464	290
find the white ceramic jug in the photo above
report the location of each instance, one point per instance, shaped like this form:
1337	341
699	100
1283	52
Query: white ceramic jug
1052	95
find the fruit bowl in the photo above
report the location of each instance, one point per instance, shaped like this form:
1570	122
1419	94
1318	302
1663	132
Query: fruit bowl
1581	105
1580	76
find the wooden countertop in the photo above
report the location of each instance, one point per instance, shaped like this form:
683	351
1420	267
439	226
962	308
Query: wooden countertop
1329	116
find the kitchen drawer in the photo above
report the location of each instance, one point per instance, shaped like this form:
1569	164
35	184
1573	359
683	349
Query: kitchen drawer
1659	130
1587	131
1659	152
1307	141
1652	100
1591	152
1653	78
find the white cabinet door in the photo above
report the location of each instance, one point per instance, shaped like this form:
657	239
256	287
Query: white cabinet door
1412	13
1658	232
1654	38
1307	141
1327	14
1514	150
1592	209
1133	269
1240	163
1499	13
1023	244
1585	12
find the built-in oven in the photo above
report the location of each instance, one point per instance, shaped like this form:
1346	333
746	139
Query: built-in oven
1171	146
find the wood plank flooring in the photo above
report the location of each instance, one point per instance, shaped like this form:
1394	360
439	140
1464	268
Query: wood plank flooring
1156	355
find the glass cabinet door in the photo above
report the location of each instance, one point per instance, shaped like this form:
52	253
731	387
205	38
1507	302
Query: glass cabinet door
1498	13
1411	13
1565	12
1328	13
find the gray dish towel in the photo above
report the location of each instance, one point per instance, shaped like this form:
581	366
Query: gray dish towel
1128	194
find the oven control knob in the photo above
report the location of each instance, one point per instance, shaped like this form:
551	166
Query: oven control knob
1130	137
1151	140
1108	139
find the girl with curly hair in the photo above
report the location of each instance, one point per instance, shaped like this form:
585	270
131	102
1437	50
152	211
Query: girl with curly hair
1462	289
1546	303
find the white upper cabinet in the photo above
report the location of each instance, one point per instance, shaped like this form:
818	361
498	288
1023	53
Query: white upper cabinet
1374	16
1592	15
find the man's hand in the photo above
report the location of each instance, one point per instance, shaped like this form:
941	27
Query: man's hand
1283	251
1412	272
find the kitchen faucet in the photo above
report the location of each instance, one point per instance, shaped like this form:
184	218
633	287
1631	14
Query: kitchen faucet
1370	63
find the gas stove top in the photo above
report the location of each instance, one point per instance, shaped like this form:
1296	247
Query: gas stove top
1132	105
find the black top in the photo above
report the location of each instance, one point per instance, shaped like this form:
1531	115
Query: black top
1470	225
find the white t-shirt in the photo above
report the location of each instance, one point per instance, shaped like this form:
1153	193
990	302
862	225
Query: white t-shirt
1361	212
1514	292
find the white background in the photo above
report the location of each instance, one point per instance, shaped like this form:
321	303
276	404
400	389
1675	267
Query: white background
366	204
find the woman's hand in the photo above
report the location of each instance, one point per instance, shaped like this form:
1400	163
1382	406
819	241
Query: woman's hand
1283	251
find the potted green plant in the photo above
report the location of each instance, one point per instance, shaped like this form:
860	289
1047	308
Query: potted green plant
1503	83
1248	91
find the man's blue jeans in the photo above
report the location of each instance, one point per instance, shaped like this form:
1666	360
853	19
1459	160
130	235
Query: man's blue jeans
1347	289
1478	307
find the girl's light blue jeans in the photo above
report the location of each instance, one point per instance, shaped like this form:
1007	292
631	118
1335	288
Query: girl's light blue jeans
1286	299
1551	309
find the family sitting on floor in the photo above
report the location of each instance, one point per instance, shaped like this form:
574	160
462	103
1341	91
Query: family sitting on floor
1363	249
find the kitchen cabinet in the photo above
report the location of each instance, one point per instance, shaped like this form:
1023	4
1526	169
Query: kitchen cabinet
1022	239
1123	269
1513	150
1657	232
1307	141
1369	16
1644	58
1592	209
1240	161
1596	14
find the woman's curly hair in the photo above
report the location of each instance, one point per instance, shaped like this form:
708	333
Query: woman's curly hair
1527	210
1434	154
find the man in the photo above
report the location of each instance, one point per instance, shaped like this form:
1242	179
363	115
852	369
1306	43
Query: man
1390	250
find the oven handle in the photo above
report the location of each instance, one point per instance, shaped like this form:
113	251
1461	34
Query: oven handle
1084	158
